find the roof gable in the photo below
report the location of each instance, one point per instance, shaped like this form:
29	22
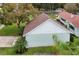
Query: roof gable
36	21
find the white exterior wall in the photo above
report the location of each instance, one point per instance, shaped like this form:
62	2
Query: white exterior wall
39	40
77	32
64	37
45	39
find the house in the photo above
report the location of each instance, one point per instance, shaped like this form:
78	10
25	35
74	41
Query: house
71	21
42	31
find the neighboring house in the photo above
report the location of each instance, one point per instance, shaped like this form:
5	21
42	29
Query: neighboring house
42	31
71	21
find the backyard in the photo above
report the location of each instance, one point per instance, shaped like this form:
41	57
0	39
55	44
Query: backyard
58	49
16	16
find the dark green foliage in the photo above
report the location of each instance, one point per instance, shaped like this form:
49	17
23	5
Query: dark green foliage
20	46
70	48
48	6
8	23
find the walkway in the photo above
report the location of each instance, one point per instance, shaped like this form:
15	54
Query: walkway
7	41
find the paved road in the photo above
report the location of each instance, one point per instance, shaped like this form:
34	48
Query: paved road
7	41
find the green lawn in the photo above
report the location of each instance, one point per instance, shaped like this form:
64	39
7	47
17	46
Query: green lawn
30	51
39	50
7	51
11	30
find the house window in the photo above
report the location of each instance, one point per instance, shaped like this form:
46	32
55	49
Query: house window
71	27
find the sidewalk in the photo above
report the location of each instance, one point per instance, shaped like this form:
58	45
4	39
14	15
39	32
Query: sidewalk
7	41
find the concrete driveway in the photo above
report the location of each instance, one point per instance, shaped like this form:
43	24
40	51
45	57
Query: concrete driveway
7	41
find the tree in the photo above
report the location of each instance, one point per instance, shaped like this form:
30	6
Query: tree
71	8
48	6
7	13
20	13
1	16
15	13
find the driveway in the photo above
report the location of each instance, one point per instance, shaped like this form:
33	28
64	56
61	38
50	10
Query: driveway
7	41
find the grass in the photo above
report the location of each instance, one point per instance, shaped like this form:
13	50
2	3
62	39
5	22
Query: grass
7	51
11	30
76	41
30	51
39	50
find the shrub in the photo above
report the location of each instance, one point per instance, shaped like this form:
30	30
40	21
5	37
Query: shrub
8	23
20	45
